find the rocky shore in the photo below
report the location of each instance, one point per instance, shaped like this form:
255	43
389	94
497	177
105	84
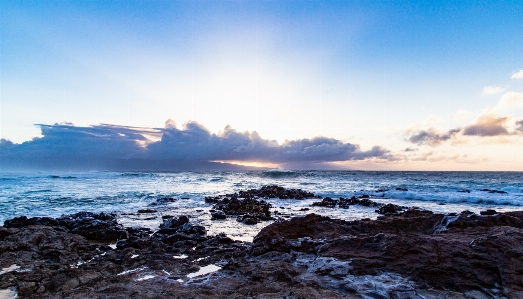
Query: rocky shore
405	253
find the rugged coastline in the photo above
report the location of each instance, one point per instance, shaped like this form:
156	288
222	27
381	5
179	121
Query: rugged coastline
405	253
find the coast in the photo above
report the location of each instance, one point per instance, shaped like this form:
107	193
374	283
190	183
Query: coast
403	253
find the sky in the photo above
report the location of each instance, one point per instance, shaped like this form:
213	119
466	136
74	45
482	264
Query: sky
370	85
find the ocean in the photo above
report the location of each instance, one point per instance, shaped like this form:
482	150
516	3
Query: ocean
54	194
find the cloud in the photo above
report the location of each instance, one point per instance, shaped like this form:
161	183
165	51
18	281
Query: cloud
438	157
519	125
113	147
462	115
492	90
432	136
487	125
509	100
518	75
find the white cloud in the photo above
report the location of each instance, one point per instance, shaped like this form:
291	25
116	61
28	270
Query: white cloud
462	115
491	90
510	100
518	75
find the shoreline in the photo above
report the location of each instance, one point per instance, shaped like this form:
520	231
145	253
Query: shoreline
404	253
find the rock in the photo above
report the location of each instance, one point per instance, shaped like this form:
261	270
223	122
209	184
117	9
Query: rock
173	222
94	226
401	189
345	203
471	255
218	215
493	191
488	212
248	219
258	209
145	211
390	209
326	202
165	200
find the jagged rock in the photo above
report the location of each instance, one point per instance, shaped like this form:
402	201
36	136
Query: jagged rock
218	215
147	211
93	226
390	209
326	202
471	254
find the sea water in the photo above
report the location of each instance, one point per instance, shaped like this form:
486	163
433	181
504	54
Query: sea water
54	194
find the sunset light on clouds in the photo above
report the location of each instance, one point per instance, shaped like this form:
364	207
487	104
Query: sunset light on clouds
382	85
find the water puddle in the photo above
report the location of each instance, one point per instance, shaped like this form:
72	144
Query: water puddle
146	277
131	271
11	268
204	270
183	256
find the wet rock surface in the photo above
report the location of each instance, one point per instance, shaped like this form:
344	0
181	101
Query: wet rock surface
466	253
409	253
247	210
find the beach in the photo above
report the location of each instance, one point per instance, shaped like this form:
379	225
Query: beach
207	239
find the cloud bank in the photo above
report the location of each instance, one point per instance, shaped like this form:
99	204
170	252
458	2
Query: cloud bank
193	147
488	124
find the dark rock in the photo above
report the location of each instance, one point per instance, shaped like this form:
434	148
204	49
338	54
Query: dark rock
218	215
326	202
248	219
389	209
173	222
475	253
258	209
146	211
165	200
401	189
493	191
488	212
94	226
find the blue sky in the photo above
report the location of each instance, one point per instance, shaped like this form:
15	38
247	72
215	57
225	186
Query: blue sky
369	73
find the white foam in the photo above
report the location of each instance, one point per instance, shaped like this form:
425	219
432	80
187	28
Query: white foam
183	256
8	293
134	256
204	270
442	226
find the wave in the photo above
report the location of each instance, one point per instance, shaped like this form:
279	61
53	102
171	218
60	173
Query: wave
138	174
61	177
276	173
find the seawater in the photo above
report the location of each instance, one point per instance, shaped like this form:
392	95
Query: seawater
54	194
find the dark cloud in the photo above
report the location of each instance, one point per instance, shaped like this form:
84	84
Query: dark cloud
432	137
519	125
487	125
409	149
112	147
